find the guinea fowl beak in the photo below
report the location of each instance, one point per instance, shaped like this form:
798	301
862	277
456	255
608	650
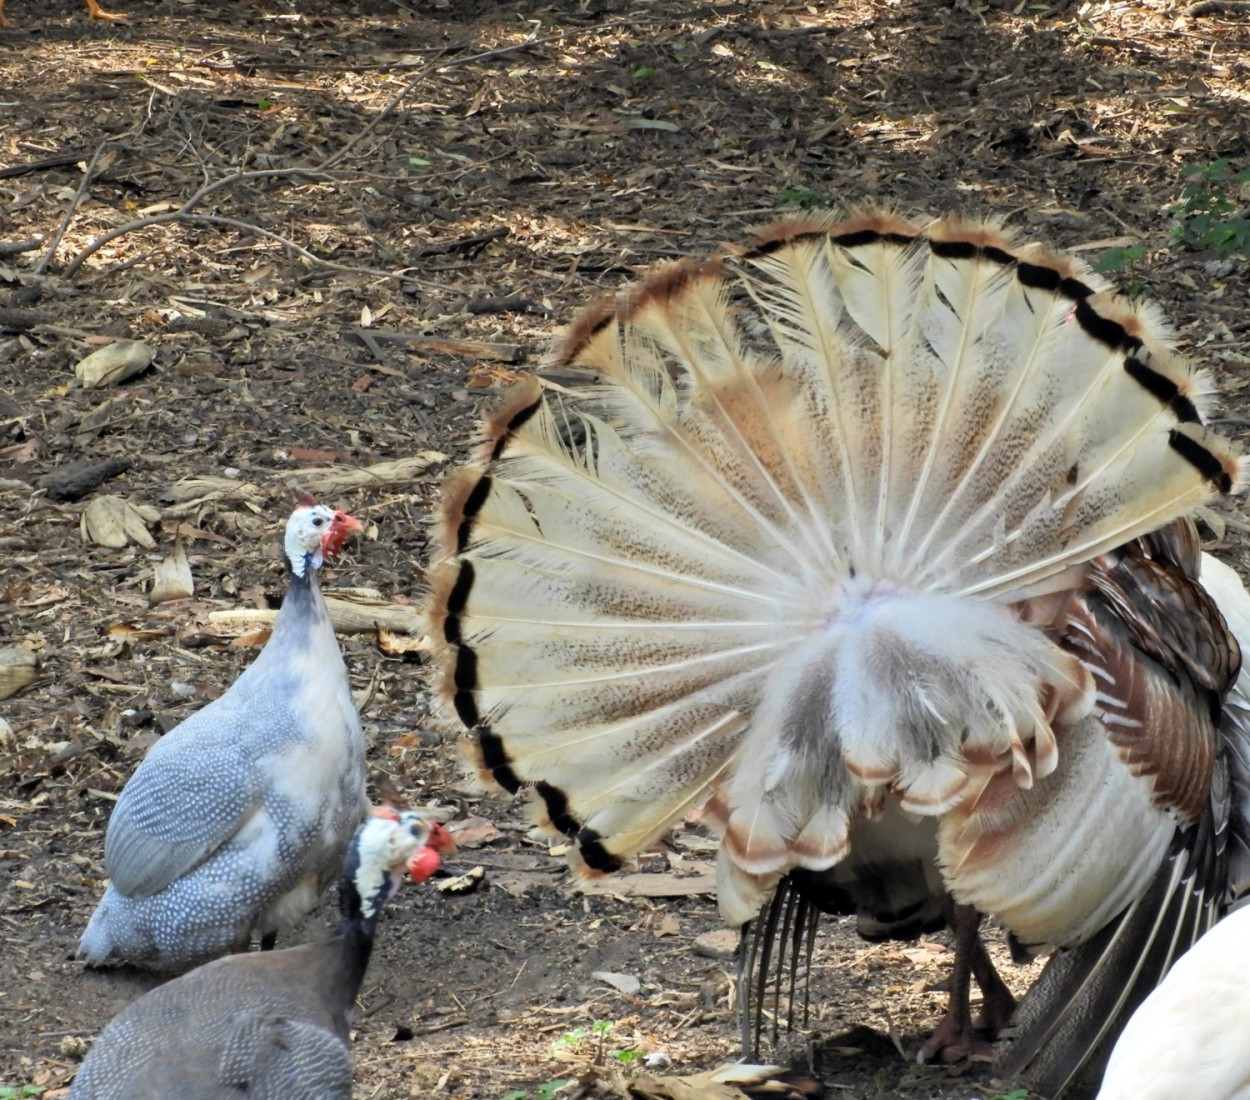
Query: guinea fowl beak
441	839
340	527
422	865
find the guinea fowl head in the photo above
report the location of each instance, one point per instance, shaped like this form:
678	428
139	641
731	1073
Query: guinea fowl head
384	847
314	534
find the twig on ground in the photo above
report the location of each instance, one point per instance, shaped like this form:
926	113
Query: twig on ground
87	176
1218	7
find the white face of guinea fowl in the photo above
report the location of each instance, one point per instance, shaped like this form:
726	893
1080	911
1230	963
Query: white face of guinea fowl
386	844
314	533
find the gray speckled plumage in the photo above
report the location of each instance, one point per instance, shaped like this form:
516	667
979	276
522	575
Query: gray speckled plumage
237	820
266	1025
234	1031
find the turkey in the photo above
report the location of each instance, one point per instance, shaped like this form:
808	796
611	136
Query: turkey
273	1025
236	820
873	540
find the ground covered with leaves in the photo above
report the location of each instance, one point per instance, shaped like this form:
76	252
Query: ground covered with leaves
336	231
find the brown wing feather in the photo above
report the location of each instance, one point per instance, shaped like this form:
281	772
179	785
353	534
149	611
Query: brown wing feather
1163	657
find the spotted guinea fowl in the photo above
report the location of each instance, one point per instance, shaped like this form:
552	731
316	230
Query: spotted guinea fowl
236	820
870	538
271	1025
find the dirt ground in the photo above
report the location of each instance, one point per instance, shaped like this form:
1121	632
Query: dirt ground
342	228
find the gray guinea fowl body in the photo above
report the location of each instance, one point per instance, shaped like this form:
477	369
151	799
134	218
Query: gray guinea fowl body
265	1025
237	820
255	1025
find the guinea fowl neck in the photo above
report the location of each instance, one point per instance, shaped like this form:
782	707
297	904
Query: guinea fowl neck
353	944
303	603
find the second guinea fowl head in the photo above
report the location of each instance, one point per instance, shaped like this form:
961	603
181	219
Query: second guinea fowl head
389	843
314	534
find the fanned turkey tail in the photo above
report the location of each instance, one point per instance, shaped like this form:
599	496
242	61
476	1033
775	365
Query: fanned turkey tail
825	536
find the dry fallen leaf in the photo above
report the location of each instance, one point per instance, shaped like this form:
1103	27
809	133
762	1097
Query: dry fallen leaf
138	633
17	669
113	522
467	883
113	364
172	578
401	645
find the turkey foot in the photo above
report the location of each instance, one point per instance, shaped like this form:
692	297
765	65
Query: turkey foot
955	1038
997	1001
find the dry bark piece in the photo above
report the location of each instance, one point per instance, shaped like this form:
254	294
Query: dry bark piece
348	616
18	320
172	578
471	349
324	480
114	363
468	883
17	669
114	522
75	480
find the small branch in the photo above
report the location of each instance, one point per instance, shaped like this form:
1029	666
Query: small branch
1218	7
16	248
61	161
181	212
312	257
74	203
87	176
473	349
471	245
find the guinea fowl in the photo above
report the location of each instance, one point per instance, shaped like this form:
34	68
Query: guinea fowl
236	820
872	539
272	1025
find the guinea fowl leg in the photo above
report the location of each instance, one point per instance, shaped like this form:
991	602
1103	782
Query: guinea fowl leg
955	1037
269	939
94	11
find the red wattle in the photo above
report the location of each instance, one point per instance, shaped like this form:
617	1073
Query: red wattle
423	864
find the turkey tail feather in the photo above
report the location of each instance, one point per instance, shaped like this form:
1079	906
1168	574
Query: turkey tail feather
785	473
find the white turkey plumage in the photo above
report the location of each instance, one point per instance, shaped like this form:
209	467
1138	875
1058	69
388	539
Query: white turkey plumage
236	820
1189	1036
867	537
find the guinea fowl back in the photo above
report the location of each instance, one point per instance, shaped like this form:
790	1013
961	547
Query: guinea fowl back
842	525
276	1038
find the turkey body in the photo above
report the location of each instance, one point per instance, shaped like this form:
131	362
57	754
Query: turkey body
873	540
236	821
